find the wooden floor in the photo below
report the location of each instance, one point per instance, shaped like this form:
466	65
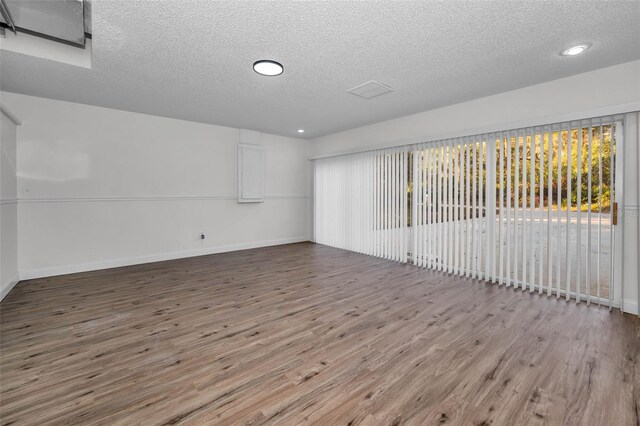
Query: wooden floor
306	333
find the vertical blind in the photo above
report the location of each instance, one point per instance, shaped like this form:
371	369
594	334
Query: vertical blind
361	203
528	208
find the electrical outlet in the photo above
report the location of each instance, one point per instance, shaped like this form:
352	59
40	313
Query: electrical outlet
202	236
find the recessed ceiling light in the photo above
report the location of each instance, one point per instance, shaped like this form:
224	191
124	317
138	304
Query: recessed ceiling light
267	67
300	130
576	50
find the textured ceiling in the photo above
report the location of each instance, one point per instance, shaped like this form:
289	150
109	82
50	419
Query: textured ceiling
193	60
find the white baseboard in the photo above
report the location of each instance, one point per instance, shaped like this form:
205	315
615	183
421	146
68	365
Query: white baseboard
631	307
7	287
115	263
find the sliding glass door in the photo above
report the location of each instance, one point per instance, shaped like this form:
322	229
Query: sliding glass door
531	208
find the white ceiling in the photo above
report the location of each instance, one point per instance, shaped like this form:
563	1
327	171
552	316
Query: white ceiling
193	59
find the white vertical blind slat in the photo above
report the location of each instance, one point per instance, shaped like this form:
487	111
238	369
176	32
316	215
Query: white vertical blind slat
441	206
599	209
392	206
516	198
549	204
502	235
425	175
540	212
568	213
455	222
612	172
579	136
471	208
414	210
452	208
417	200
535	242
559	211
488	205
589	194
435	241
468	234
508	227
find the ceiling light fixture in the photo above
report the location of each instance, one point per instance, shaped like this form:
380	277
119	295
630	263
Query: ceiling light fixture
300	130
575	50
267	67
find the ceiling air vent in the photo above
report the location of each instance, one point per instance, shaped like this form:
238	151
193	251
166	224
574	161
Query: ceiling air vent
370	89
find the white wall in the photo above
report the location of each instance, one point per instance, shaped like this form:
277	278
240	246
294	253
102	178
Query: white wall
606	91
8	207
628	233
99	187
600	92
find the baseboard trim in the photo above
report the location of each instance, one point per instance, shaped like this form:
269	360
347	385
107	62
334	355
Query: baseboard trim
116	263
6	288
631	307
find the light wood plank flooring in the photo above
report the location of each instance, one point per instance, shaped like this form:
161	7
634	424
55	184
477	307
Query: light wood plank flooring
304	333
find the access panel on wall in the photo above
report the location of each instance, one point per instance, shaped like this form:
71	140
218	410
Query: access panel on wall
250	173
